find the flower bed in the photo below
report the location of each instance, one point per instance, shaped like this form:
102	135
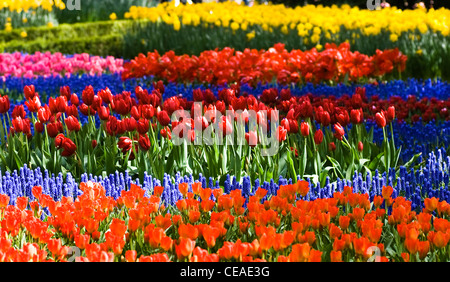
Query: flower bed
308	135
52	65
210	226
229	146
335	63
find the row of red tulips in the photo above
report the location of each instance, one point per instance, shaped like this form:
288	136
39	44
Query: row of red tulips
131	125
334	63
207	225
146	107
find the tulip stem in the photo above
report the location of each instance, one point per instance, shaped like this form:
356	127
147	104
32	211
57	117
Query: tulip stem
386	163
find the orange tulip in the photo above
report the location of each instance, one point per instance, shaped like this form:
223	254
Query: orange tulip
300	252
302	187
377	201
423	248
344	222
412	245
184	248
440	239
405	257
336	256
130	256
158	190
266	241
183	187
386	192
315	256
431	204
196	188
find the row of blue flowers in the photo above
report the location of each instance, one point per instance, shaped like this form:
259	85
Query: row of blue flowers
50	87
431	180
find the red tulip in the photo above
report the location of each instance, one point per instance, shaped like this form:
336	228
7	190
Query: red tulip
44	114
390	115
72	123
4	104
225	126
59	140
339	131
143	126
163	118
360	146
88	95
144	142
103	113
304	129
65	91
106	95
61	104
147	111
53	128
171	105
356	116
29	92
251	138
125	143
331	146
166	133
130	124
19	111
39	127
33	104
318	137
285	123
74	99
281	134
17	123
380	119
72	110
69	148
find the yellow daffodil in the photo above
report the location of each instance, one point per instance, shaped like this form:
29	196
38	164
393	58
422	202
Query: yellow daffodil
309	19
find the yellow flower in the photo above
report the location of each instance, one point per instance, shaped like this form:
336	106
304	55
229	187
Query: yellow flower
315	38
176	24
24	20
234	26
393	37
50	24
284	29
419	52
113	17
8	27
315	18
23	34
423	28
251	35
319	47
